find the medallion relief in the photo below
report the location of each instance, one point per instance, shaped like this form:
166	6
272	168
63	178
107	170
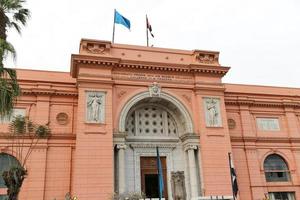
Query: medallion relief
62	118
231	123
95	107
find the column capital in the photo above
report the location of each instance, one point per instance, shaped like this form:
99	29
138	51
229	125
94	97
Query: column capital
121	146
190	147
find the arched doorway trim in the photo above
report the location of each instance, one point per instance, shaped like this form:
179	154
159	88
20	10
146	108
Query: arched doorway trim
189	127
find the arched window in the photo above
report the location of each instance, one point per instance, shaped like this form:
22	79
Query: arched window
6	161
276	169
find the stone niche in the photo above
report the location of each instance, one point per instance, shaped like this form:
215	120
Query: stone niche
178	185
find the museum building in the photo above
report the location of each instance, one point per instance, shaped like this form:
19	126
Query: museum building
119	102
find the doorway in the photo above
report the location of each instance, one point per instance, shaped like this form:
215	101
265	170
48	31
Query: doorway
149	177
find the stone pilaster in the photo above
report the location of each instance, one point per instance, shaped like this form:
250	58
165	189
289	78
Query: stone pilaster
190	143
121	169
192	169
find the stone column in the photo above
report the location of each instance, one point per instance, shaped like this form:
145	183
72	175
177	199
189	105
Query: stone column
192	169
121	167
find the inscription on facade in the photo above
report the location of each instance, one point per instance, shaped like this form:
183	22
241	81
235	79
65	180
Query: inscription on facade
151	77
95	107
268	124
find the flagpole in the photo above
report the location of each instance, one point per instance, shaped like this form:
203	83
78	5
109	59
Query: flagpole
230	167
147	31
113	36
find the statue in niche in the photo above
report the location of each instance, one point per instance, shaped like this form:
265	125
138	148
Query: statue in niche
212	112
94	107
178	185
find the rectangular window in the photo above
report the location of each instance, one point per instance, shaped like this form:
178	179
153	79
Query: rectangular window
268	124
282	195
16	112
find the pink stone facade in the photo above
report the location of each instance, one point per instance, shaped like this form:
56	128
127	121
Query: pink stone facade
80	157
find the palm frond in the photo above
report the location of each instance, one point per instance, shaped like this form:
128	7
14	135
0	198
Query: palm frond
6	49
15	26
9	91
21	16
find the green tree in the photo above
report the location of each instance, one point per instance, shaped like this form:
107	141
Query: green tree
12	15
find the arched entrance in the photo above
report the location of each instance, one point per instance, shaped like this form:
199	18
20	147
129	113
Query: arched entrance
147	122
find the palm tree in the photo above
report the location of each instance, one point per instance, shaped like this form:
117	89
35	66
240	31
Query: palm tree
24	135
12	15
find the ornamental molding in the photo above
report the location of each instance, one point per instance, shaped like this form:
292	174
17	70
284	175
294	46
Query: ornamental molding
264	139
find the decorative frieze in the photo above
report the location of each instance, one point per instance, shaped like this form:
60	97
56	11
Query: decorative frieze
206	58
95	107
95	47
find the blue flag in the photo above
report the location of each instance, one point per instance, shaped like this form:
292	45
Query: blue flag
160	175
120	19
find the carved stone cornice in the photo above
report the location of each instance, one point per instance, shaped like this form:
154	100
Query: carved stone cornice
190	136
261	103
133	64
190	141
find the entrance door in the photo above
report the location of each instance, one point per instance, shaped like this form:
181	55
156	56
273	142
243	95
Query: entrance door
149	177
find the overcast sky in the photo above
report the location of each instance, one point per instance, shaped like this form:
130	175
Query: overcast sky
258	39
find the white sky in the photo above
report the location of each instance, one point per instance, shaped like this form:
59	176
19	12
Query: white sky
258	39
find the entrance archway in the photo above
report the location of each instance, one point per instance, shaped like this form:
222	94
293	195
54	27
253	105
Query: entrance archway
149	122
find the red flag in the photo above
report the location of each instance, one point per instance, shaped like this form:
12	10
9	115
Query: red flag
149	27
